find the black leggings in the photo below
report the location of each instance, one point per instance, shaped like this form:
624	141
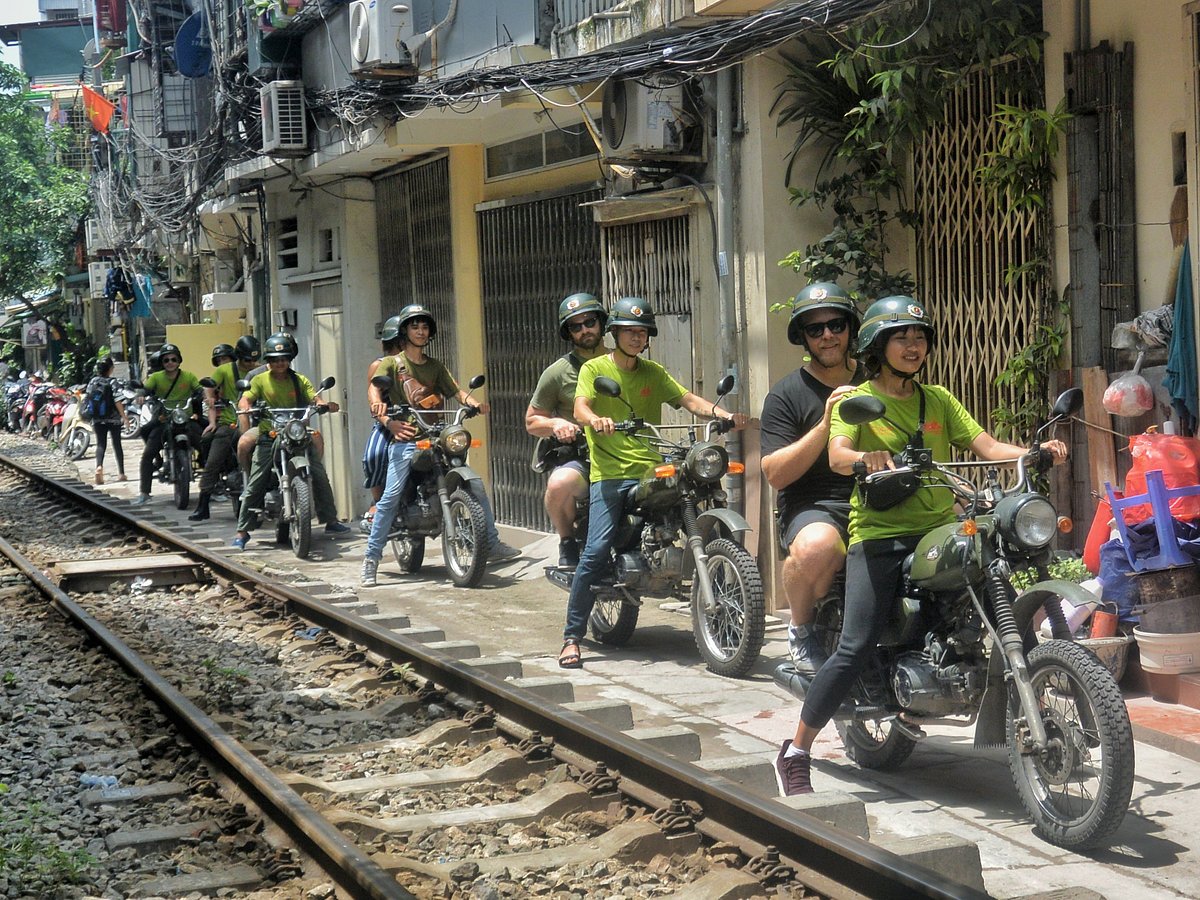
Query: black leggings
872	584
102	431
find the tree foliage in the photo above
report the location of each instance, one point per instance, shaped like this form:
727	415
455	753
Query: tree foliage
41	202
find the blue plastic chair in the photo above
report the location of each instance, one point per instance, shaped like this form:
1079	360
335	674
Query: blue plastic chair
1159	496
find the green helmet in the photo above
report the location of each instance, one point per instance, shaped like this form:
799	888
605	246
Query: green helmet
573	306
417	311
635	312
820	295
221	350
888	314
280	346
390	330
247	349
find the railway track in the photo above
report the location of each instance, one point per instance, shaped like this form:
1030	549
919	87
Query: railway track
387	766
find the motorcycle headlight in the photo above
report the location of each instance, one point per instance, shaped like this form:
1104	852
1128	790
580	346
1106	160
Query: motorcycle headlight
456	441
1027	521
295	430
706	462
179	416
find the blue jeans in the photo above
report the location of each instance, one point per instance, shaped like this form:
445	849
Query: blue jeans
400	454
606	505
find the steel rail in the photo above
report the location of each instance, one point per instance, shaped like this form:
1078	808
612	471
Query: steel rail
858	865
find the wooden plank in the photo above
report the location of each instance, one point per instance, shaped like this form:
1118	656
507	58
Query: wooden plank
120	565
1102	454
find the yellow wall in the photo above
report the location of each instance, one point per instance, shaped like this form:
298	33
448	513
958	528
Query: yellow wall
197	341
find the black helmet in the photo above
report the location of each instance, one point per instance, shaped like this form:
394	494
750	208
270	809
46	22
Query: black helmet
167	349
575	305
153	361
820	295
246	349
391	329
221	350
635	312
888	314
416	311
280	346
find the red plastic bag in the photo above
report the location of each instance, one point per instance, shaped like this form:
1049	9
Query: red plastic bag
1178	458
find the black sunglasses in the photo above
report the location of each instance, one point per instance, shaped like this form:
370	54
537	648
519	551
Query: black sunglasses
589	322
835	326
167	359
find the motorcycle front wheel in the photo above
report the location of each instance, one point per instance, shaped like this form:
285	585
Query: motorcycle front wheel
183	477
300	532
77	443
465	547
409	553
131	428
1077	791
730	635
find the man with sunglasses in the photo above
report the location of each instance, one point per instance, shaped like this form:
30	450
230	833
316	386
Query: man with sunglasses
551	415
813	511
176	387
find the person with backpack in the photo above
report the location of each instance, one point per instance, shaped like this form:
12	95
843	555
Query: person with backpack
551	416
107	415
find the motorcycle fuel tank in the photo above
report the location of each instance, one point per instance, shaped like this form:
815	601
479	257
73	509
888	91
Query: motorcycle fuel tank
656	493
938	562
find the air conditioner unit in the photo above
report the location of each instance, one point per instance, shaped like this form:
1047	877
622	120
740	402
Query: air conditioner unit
97	276
98	238
284	123
378	32
638	120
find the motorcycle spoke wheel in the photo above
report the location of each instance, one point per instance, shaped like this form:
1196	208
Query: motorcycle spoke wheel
730	635
465	547
613	619
409	553
1076	791
300	531
875	743
183	477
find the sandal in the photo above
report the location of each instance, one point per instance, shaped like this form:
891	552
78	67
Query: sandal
570	660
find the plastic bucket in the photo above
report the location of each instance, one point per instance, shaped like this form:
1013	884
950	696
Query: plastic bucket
1112	651
1168	654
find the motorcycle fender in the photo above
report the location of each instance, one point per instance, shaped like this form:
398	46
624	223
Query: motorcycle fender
460	476
298	463
993	710
726	519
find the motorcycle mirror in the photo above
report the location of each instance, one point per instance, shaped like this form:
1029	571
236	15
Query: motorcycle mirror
725	385
607	386
327	382
242	384
207	382
476	382
1068	403
383	382
860	410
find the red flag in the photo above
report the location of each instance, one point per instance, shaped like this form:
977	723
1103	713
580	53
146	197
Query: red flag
99	110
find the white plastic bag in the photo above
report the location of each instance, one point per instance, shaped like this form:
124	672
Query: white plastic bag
1129	395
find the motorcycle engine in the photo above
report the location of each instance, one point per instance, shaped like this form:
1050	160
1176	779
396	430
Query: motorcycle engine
630	570
922	687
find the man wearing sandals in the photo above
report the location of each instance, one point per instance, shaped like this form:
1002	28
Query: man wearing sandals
618	460
551	414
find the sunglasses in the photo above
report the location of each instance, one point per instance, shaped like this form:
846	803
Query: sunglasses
576	327
167	359
835	326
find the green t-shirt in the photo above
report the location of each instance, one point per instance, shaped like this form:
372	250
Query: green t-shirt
646	389
555	391
159	384
947	424
431	373
227	377
279	393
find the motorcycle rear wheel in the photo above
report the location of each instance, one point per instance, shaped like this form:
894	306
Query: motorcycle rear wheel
465	548
613	620
183	477
77	443
300	532
730	637
1078	791
875	744
409	553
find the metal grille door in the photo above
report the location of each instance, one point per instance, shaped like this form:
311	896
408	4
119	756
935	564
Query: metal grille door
416	254
534	253
967	241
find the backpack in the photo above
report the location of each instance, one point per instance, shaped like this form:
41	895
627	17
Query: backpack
98	404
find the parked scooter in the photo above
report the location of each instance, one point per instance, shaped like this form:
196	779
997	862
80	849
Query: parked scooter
437	499
677	540
960	648
35	399
50	416
15	394
77	432
289	496
130	397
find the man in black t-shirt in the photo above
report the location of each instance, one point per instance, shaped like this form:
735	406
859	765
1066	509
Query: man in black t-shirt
814	503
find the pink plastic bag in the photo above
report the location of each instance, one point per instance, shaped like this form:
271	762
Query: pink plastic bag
1129	395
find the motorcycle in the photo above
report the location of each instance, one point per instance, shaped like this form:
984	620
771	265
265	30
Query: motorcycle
437	499
77	432
35	399
175	452
289	498
126	393
961	644
681	502
15	394
50	416
229	485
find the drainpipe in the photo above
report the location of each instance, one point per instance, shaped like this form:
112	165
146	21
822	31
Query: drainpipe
1083	24
414	46
725	281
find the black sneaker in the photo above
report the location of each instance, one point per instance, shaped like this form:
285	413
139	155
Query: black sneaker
794	773
806	652
568	553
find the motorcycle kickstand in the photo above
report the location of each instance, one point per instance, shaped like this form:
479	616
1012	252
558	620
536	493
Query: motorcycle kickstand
910	730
